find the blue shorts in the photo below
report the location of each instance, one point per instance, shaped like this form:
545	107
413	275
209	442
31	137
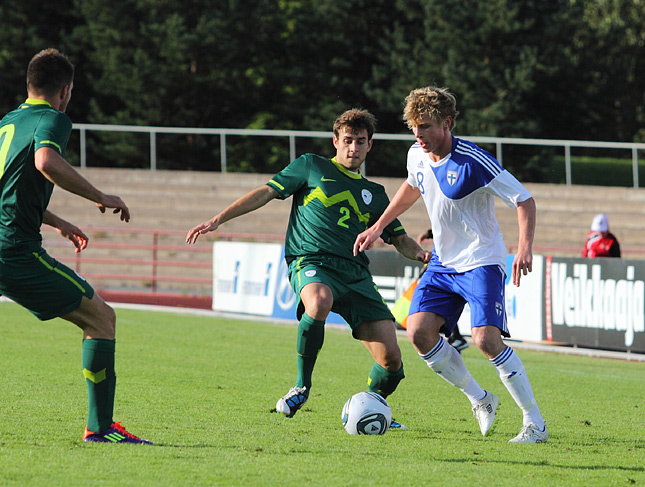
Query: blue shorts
446	294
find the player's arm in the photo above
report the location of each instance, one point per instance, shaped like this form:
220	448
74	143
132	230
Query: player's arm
403	199
409	248
526	217
58	171
249	202
66	229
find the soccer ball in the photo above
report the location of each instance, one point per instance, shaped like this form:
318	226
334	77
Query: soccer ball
366	413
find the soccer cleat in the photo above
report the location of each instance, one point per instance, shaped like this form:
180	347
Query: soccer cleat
397	426
292	401
484	410
531	434
114	434
459	343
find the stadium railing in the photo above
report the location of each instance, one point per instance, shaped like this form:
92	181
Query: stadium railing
293	135
157	267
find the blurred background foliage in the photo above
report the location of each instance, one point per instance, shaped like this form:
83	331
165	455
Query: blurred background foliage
562	69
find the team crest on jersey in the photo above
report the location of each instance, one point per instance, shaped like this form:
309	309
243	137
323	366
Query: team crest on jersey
498	308
451	177
367	196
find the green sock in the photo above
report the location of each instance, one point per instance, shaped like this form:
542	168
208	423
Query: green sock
383	381
311	334
98	370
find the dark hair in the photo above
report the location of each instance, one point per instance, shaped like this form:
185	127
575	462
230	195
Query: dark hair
48	72
356	120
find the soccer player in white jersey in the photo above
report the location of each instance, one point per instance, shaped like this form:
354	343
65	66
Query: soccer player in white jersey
458	182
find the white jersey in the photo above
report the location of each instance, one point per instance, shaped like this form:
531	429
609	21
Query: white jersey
459	192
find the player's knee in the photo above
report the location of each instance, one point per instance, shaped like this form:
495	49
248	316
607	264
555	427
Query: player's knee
489	340
319	305
106	321
416	335
392	359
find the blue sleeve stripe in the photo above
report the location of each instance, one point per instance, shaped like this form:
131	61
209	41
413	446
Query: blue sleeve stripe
488	162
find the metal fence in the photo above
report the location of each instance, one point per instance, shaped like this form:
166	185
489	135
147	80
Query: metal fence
293	135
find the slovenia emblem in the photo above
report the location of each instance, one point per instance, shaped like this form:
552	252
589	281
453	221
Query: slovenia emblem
451	176
367	196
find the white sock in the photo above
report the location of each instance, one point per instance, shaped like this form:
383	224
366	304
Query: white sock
446	361
513	374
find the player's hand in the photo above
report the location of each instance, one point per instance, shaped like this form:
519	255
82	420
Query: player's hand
201	229
522	265
365	240
424	256
73	234
113	201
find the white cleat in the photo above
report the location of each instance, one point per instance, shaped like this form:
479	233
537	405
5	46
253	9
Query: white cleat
531	434
398	426
484	410
292	401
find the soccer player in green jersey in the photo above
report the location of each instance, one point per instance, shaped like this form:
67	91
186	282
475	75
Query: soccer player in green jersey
33	139
332	203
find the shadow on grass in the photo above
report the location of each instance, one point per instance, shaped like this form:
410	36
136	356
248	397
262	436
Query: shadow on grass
544	463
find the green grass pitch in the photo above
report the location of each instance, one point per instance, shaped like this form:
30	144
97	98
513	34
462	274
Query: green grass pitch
203	389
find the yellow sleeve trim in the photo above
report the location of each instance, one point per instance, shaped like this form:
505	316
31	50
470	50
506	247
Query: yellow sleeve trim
276	184
51	142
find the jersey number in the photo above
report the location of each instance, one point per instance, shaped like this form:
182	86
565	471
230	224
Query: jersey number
341	221
420	182
6	136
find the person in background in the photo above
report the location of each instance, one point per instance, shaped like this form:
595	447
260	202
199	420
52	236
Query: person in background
600	241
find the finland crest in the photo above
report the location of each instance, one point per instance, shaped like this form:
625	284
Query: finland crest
451	177
498	308
367	196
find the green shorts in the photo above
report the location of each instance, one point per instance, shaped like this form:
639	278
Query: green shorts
356	297
41	284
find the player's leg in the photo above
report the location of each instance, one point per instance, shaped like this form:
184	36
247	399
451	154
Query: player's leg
317	300
50	289
435	309
98	322
488	326
447	362
511	371
379	337
95	317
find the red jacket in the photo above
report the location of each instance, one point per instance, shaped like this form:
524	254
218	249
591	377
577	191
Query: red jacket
598	245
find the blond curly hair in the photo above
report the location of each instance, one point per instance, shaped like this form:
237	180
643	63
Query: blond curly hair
438	103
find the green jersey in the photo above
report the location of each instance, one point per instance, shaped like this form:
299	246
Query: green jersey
331	206
24	191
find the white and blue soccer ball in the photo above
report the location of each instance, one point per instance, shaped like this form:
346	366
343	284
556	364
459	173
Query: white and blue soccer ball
366	413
